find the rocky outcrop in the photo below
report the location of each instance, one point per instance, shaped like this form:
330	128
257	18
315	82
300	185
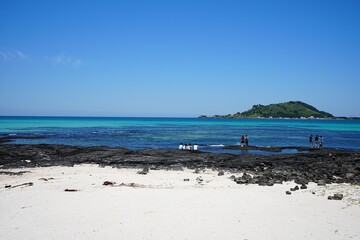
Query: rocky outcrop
336	196
9	138
323	166
270	149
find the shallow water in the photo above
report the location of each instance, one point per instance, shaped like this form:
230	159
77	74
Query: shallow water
210	134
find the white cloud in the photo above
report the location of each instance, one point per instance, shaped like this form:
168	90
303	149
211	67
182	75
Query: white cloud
15	55
60	59
63	59
21	55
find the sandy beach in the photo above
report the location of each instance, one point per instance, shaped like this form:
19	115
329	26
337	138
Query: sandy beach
168	205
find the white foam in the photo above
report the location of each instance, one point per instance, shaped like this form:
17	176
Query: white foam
216	145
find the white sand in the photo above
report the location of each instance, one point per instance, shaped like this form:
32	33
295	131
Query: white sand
165	206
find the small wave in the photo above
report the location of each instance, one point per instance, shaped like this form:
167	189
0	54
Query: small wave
216	145
12	134
94	132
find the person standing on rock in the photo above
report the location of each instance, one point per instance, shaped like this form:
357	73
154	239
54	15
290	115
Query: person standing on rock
321	141
246	140
242	140
317	141
311	141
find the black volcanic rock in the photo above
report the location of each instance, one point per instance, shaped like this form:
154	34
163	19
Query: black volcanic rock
323	166
9	138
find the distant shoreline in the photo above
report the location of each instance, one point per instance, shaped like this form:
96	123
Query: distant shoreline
287	110
273	118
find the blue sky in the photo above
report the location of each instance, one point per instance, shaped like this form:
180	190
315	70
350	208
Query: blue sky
177	58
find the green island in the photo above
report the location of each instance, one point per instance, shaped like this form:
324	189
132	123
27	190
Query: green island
287	110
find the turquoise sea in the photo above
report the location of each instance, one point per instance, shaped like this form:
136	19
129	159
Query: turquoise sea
210	134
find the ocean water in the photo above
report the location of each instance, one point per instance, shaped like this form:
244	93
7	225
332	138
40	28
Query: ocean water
210	134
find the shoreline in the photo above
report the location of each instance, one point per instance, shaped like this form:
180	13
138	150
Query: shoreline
168	204
323	166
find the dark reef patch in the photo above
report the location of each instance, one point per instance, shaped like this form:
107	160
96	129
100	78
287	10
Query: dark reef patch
320	166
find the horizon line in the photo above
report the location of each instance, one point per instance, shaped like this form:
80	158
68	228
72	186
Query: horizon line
198	117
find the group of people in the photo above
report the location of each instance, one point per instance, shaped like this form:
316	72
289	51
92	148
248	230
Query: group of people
244	141
314	142
190	147
318	143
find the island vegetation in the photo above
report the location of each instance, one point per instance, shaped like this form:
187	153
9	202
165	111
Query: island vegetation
292	110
